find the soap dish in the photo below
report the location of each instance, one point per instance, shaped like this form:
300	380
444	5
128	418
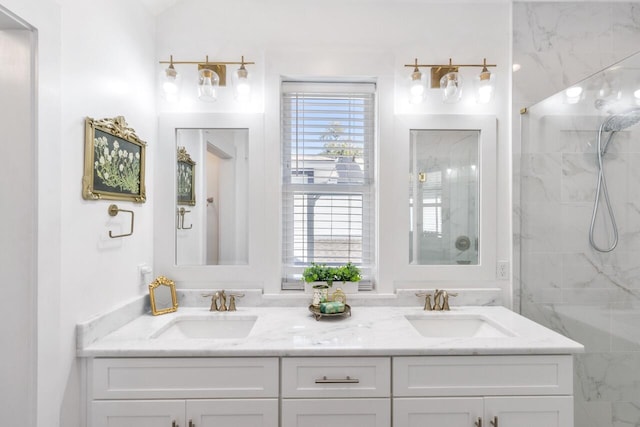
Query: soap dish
318	315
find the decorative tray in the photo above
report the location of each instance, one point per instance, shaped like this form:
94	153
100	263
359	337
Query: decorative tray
317	314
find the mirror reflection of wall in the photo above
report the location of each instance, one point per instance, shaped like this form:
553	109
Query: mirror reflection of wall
219	233
443	197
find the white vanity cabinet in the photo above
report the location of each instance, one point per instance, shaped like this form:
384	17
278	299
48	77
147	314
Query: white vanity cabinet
349	391
398	391
183	392
468	391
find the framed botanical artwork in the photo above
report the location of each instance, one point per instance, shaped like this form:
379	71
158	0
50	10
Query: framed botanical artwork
114	161
186	175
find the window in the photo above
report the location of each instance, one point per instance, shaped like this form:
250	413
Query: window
327	157
431	197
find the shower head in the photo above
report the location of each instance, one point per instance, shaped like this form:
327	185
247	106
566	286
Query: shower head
621	121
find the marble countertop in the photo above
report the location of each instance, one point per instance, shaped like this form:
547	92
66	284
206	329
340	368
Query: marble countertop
293	331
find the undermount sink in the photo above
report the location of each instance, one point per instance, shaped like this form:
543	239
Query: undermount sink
207	327
450	325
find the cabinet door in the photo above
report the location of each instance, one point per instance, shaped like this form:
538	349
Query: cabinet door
137	413
551	411
336	412
437	412
232	412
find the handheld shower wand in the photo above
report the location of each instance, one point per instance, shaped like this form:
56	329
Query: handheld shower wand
613	124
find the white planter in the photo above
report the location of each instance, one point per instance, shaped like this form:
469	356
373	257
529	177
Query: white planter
347	287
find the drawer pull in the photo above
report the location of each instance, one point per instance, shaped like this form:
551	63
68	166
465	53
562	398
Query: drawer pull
174	424
478	423
494	422
347	380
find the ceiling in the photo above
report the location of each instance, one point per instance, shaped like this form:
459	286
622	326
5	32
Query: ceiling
158	6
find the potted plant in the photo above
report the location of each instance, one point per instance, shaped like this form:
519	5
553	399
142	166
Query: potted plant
318	274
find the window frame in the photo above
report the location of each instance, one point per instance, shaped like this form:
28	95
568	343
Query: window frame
291	273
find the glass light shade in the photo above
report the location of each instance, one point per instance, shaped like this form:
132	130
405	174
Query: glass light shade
451	85
485	87
573	94
208	85
170	81
417	87
242	85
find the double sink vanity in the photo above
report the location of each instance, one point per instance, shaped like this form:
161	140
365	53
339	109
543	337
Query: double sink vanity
272	366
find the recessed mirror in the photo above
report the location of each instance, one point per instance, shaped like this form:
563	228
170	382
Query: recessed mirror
444	197
212	173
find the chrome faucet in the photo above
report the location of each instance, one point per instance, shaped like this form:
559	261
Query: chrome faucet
440	300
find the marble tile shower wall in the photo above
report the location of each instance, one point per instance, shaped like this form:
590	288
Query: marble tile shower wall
559	280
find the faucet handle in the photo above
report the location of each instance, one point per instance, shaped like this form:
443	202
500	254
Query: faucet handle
446	295
427	300
214	300
232	301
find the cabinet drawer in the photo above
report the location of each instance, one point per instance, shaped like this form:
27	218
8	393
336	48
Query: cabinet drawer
336	377
482	375
184	378
336	412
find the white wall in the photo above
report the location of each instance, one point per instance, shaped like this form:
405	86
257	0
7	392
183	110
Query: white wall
190	240
107	64
18	243
94	59
45	17
345	38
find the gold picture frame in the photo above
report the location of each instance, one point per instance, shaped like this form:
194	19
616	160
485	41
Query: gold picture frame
185	178
114	161
162	296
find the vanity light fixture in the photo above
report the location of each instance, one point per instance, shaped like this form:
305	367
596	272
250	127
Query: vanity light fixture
211	76
451	84
417	85
447	78
485	85
171	81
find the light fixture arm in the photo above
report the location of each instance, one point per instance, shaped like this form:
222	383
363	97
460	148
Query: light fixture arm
207	62
449	65
439	70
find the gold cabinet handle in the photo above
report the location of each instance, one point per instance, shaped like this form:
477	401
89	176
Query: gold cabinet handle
174	424
494	422
347	380
191	424
478	422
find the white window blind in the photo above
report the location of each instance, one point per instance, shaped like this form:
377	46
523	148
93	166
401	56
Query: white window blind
432	204
327	157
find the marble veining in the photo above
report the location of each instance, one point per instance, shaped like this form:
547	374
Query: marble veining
289	331
559	280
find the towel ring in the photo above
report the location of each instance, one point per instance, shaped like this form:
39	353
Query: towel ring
113	211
